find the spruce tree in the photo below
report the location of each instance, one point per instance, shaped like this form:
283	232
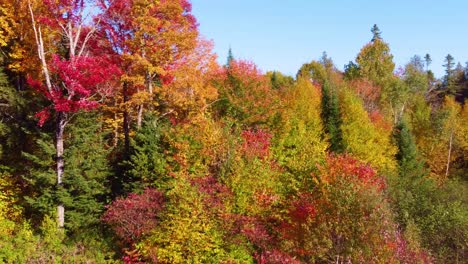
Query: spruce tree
376	33
147	163
407	156
86	191
230	58
331	118
449	78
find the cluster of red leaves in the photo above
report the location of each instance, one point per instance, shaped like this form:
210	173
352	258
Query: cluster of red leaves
78	81
215	192
303	209
256	143
348	167
135	215
62	11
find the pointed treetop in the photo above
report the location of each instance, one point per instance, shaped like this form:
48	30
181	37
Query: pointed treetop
428	60
230	57
376	33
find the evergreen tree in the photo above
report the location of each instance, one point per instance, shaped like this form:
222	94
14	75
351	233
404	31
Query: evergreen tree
86	191
230	57
147	163
376	34
427	60
351	71
449	78
331	118
407	156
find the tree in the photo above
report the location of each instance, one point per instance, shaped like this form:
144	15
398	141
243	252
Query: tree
153	38
246	94
364	140
299	143
376	62
73	80
230	57
428	61
376	34
331	118
410	163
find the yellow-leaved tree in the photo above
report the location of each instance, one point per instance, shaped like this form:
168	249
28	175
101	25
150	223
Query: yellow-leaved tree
300	143
364	140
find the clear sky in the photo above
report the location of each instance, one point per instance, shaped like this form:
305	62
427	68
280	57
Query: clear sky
284	34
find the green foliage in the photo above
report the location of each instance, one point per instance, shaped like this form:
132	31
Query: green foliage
147	163
279	80
18	244
410	163
314	71
86	172
331	117
84	189
11	103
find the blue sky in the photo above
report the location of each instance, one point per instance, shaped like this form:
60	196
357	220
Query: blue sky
282	35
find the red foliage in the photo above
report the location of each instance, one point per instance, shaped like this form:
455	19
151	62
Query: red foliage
368	92
352	169
215	192
135	215
303	209
78	84
256	143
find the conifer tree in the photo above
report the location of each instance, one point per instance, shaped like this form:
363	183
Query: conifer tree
376	33
86	190
331	118
230	58
407	156
146	166
449	78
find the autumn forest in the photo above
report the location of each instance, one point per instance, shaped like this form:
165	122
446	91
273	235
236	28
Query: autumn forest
124	140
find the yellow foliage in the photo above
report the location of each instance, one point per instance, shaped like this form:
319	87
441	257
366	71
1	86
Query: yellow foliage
445	137
361	138
300	144
7	23
192	89
8	198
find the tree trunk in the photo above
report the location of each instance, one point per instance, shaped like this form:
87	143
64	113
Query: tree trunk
126	120
60	123
449	155
140	116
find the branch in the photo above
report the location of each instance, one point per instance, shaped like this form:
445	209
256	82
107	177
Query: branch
40	48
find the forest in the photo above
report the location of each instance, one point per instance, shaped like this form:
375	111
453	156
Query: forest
124	140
